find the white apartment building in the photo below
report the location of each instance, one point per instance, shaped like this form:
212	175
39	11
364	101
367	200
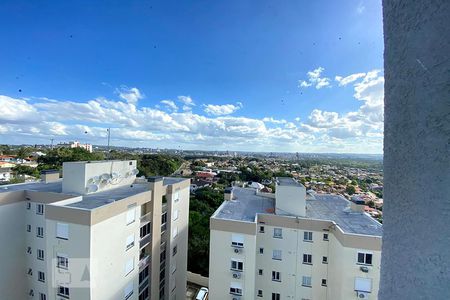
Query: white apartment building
292	245
98	234
76	144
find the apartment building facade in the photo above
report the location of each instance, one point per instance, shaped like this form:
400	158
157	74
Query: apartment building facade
292	245
99	233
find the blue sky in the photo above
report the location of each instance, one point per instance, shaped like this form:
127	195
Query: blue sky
216	75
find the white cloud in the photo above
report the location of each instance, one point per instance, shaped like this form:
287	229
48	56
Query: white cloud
169	104
343	81
275	121
131	95
315	79
39	119
221	110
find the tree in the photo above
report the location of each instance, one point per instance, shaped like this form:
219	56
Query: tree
23	152
350	189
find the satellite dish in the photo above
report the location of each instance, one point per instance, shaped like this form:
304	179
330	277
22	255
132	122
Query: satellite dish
92	188
134	172
114	175
105	176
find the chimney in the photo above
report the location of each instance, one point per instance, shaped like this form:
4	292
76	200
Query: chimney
49	175
228	194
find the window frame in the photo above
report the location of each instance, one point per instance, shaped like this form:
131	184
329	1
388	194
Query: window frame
237	265
308	236
278	233
365	255
307	259
276	276
38	256
306	281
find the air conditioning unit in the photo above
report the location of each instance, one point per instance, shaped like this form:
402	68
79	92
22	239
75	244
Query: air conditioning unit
236	298
237	250
236	275
362	295
364	269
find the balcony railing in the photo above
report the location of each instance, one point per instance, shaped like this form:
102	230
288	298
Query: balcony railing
144	261
144	241
147	218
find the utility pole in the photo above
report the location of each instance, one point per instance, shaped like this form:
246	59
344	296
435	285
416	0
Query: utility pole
51	145
109	138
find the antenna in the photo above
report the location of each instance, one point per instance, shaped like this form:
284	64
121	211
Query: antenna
51	146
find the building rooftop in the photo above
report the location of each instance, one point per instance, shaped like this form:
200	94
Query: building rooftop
248	204
288	181
89	201
245	206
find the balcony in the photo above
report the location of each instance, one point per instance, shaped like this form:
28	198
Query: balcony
144	261
144	241
145	219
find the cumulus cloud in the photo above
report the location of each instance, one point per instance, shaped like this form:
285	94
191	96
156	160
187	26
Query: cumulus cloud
39	119
343	81
315	79
131	95
221	110
169	104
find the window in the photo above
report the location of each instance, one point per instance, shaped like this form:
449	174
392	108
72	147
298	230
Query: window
28	228
260	272
307	259
307	236
175	215
128	291
41	276
144	294
28	205
129	266
173	268
237	265
277	233
63	291
143	274
260	293
306	281
261	229
276	296
40	209
42	296
261	250
62	231
363	284
276	276
30	272
40	232
324	282
325	236
236	289
175	232
237	240
364	258
145	230
276	254
164	218
62	261
129	242
131	214
324	259
174	250
40	254
29	251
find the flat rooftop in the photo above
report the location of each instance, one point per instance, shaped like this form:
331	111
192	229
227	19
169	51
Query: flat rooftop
288	181
89	201
248	204
245	206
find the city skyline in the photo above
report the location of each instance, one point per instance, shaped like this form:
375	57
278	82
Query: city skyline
240	77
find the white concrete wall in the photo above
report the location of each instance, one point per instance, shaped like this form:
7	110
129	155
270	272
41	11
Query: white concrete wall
13	283
220	275
290	200
109	256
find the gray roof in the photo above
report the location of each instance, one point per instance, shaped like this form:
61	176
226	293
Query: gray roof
248	204
94	200
335	208
89	201
245	206
288	181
